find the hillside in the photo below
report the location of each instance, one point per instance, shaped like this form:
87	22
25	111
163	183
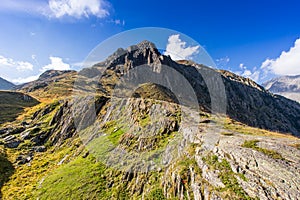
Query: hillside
12	104
118	135
52	84
5	85
287	86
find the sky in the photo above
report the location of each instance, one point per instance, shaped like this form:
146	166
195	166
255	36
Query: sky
256	39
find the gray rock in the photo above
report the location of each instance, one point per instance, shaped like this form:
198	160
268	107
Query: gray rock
23	159
9	138
25	135
40	149
12	143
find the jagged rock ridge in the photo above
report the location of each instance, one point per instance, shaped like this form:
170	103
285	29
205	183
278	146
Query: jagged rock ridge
247	102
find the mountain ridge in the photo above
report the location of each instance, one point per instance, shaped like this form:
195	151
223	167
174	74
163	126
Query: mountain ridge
241	106
144	144
288	86
6	85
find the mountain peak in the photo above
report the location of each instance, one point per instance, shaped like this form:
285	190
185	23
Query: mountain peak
146	45
53	73
287	86
5	85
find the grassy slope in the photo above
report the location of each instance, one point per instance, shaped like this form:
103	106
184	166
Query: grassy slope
12	104
84	178
56	90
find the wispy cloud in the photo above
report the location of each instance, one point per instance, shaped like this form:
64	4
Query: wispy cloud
222	62
23	70
253	74
28	6
18	81
78	8
17	65
178	49
58	8
117	22
56	64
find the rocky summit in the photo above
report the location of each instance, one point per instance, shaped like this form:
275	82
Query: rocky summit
142	126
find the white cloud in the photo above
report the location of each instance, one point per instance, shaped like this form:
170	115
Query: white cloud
118	22
56	64
288	63
177	49
57	8
253	74
23	66
18	81
222	62
18	65
242	66
78	8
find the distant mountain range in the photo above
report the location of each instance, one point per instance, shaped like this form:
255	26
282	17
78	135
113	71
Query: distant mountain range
287	86
5	85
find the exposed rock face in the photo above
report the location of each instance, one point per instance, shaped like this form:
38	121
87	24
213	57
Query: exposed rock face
251	104
287	86
6	85
247	102
11	141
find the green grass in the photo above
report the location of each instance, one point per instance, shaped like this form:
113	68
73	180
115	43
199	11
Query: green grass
227	133
24	182
79	179
146	120
250	144
156	194
253	145
6	169
114	137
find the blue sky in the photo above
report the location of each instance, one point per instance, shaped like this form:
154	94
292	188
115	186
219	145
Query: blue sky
257	39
